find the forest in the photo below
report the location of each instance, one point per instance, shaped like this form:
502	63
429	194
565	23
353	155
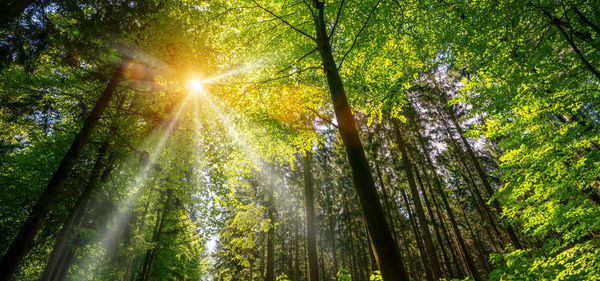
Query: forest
294	140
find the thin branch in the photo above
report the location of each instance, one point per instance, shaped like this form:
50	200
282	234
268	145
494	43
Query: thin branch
358	35
253	38
297	61
337	18
258	84
285	76
222	13
295	4
284	21
124	141
310	9
274	19
569	38
582	18
321	117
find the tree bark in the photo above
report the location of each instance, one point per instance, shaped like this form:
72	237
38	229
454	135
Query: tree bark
420	246
163	219
449	243
76	212
50	196
438	186
311	244
432	216
484	178
386	251
424	226
270	275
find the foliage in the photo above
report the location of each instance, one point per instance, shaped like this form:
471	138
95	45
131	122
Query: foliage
495	101
343	275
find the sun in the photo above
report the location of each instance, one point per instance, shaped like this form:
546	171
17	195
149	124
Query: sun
195	86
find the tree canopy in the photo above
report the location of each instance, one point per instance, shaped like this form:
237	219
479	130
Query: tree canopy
299	140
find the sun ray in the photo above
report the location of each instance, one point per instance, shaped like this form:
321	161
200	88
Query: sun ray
113	230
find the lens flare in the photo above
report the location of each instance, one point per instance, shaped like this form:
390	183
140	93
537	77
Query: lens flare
195	86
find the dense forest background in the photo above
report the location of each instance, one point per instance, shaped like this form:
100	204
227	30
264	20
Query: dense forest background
299	140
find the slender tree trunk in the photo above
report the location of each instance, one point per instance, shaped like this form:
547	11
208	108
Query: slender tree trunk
311	244
484	178
481	206
64	259
148	254
448	241
432	216
261	265
569	38
297	254
66	263
407	165
331	225
128	269
438	186
420	245
50	196
76	212
485	215
270	275
350	238
476	238
163	219
403	240
386	251
328	189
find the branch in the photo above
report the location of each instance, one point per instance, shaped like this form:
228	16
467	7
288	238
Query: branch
222	13
321	117
297	61
124	141
337	18
283	76
257	84
260	34
284	21
358	34
310	9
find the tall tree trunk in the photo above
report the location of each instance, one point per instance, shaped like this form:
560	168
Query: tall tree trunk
270	275
128	268
438	186
448	242
481	206
76	212
311	244
420	246
261	264
297	254
407	165
148	254
386	251
50	196
159	232
432	216
65	258
331	224
65	265
328	189
483	176
350	238
477	241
